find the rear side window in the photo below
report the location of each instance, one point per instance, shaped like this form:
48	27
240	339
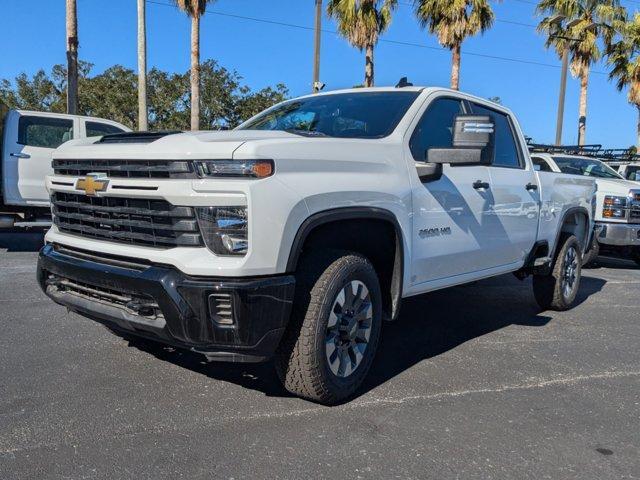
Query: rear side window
506	150
44	131
435	129
97	129
542	163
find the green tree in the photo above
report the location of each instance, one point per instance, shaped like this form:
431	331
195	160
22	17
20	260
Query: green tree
452	21
362	22
584	28
194	9
113	94
624	58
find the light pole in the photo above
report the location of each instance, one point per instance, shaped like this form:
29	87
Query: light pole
563	90
316	54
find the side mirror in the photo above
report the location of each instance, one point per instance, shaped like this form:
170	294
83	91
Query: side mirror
473	137
537	167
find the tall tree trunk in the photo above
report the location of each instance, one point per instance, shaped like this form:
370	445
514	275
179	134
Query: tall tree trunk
195	72
582	119
72	57
455	67
143	123
368	68
638	131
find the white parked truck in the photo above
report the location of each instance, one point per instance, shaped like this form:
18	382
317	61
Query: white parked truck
617	215
27	140
294	235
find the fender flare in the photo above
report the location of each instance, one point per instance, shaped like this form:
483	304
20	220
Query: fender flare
587	234
348	213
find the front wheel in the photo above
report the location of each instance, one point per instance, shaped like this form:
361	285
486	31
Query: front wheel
558	289
334	330
635	254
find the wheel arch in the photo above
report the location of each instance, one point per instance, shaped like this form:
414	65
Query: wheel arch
325	222
575	221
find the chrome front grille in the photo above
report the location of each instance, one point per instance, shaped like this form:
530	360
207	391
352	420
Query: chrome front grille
154	223
126	168
634	207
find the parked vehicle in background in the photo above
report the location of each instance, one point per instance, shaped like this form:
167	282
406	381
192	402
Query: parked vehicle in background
297	233
617	213
27	140
629	171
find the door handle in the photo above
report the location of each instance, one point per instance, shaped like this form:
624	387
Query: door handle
479	184
531	186
20	155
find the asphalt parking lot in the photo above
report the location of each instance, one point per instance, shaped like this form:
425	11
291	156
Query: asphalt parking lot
472	382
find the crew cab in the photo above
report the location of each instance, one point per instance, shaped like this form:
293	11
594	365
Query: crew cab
27	140
294	235
617	215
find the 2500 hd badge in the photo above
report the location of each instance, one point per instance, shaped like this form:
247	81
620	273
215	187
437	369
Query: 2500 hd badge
434	232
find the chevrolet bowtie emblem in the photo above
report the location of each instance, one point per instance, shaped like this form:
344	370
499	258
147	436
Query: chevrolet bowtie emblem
92	183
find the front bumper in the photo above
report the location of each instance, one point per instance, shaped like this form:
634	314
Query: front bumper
163	304
617	234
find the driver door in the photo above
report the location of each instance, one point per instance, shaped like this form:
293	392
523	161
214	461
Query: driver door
29	140
452	215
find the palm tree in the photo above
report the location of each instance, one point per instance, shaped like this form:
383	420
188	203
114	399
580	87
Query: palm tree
194	9
72	57
624	57
453	21
143	122
361	22
579	27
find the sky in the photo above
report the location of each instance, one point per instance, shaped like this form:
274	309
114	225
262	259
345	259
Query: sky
271	41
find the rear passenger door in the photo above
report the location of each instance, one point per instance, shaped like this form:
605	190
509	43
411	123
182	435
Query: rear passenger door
29	140
513	188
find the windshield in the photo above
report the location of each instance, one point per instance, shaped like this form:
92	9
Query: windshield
343	115
585	166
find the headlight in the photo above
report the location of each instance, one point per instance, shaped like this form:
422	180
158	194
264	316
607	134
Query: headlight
615	207
235	168
224	229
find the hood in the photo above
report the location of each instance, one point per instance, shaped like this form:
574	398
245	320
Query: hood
616	187
187	145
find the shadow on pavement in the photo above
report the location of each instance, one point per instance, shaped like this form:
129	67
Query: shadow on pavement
22	241
429	325
612	262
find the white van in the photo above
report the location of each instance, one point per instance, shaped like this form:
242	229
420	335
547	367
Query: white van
27	140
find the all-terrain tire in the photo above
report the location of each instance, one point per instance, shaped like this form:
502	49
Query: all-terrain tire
558	289
302	360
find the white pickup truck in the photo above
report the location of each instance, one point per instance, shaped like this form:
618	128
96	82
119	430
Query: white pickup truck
294	235
27	140
617	215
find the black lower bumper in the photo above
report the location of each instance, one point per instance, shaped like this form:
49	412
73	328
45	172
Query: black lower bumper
227	319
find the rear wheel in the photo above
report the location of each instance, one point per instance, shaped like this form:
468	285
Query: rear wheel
558	289
635	254
334	330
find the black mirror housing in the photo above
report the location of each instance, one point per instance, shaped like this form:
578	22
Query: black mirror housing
473	137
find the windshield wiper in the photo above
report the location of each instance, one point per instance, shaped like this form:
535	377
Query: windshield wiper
305	133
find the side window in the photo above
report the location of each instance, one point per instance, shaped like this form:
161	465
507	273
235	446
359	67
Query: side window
46	132
97	129
435	129
542	163
506	150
